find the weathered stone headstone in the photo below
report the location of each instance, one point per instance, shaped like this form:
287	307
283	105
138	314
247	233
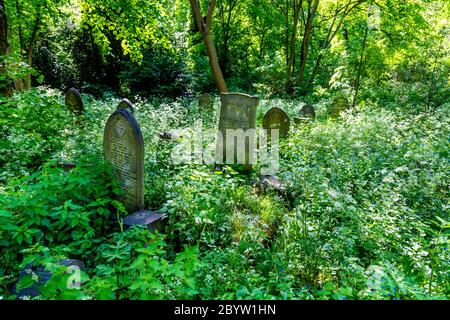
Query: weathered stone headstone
74	101
126	104
276	118
123	147
205	101
339	105
306	113
237	116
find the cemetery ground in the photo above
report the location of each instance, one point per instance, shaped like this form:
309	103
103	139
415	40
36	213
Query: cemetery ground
364	215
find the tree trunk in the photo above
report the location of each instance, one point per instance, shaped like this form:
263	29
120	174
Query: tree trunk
31	45
346	9
214	63
306	40
27	80
6	88
315	71
205	31
360	67
291	47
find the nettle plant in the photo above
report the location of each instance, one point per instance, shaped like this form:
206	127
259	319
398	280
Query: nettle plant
134	265
34	125
369	192
55	215
53	208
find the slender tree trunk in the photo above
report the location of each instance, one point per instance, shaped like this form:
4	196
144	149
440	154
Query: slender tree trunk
27	80
286	33
205	31
19	83
315	71
433	76
6	88
226	25
31	45
291	46
19	24
360	67
306	40
330	36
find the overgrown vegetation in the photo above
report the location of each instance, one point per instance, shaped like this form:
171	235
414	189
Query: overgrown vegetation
366	211
368	220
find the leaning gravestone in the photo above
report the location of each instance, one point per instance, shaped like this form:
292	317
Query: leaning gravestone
339	105
205	102
123	147
276	118
238	111
74	101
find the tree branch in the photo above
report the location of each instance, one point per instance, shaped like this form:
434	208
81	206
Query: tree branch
209	15
197	14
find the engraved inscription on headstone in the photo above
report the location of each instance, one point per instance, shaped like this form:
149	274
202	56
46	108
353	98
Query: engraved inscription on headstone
74	102
123	147
238	113
276	118
339	105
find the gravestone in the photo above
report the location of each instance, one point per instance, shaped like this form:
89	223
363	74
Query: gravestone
339	105
123	147
306	113
276	118
74	101
238	111
126	104
205	101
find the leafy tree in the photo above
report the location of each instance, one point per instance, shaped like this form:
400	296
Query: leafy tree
204	27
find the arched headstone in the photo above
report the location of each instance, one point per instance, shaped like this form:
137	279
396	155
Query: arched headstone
339	105
276	118
74	101
123	146
126	104
237	117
